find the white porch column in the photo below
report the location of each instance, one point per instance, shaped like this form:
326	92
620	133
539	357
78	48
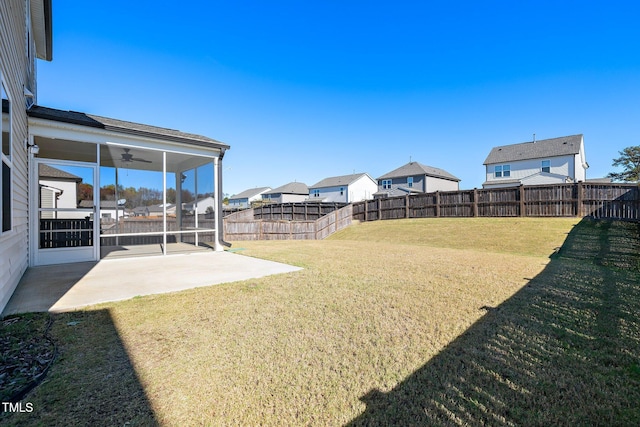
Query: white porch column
164	203
216	214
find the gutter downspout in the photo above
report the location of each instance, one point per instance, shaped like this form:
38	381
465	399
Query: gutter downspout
220	223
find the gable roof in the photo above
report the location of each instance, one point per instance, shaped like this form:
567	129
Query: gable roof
336	181
290	188
554	147
415	168
121	126
247	194
48	172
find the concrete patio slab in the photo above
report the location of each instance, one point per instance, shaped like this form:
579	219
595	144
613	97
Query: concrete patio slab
67	287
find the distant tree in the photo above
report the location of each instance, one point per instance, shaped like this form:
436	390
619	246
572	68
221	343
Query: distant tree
85	191
630	161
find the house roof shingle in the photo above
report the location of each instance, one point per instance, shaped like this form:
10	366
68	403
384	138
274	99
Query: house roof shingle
46	171
246	194
415	168
290	188
336	181
554	147
121	126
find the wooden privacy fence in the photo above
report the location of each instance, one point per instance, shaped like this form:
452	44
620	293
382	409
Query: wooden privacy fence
156	226
295	211
65	233
621	201
240	226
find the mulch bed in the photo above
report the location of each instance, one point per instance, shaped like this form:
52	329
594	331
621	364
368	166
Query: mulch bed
26	352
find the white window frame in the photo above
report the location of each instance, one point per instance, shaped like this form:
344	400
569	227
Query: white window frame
409	181
315	192
6	160
342	191
546	164
502	171
386	184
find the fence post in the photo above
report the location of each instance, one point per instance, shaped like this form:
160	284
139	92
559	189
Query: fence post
522	208
438	204
379	210
366	210
475	202
406	206
580	201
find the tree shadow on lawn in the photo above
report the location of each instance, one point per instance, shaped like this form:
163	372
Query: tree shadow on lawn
92	381
564	350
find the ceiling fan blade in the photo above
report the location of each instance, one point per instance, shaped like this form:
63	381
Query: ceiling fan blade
141	160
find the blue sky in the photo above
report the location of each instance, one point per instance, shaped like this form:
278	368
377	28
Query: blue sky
303	90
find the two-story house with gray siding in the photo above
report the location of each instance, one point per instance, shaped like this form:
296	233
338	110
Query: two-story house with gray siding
243	200
415	177
288	193
344	189
547	161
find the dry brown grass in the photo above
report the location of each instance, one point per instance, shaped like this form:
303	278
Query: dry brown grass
428	322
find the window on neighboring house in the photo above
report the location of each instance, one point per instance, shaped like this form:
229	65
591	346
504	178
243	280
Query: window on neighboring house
410	181
5	177
315	193
546	166
386	184
501	171
342	191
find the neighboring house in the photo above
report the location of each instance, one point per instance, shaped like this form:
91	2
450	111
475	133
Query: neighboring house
344	189
36	138
548	161
58	190
415	177
288	193
140	211
158	210
243	200
110	210
200	206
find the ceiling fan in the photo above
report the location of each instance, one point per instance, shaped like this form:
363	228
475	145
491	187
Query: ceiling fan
128	157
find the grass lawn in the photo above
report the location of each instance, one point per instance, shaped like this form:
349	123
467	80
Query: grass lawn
408	322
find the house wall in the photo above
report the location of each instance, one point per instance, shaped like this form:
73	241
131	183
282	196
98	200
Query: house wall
401	182
423	183
562	165
284	198
239	203
333	194
294	198
203	205
544	179
362	189
68	198
580	163
272	197
439	184
14	69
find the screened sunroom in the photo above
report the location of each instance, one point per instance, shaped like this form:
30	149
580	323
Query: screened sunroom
105	188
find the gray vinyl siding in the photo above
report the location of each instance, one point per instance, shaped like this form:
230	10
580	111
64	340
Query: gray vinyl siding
422	183
14	67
